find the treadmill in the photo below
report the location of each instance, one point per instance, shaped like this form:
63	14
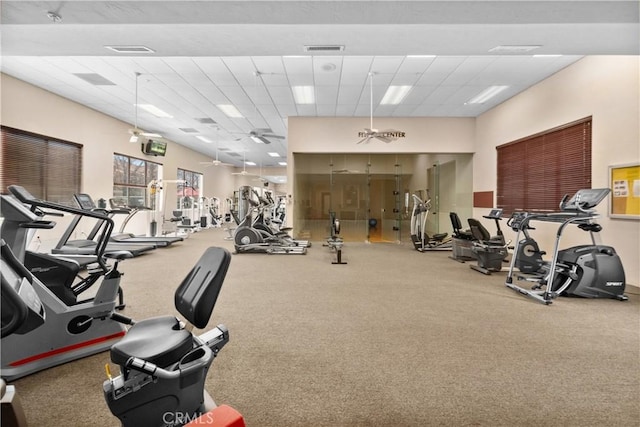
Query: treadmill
123	237
77	247
66	246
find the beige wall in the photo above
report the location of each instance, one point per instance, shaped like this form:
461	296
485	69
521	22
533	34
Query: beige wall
437	137
604	87
29	108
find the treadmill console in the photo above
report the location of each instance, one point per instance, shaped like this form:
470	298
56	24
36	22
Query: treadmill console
494	214
84	201
585	199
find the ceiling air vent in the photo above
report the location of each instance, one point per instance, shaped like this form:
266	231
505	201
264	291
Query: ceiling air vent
514	48
130	49
189	130
94	79
206	121
323	48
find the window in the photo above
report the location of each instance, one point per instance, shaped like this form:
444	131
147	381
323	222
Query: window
131	177
49	168
534	173
189	188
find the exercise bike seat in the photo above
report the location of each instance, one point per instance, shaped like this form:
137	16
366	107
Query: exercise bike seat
118	255
163	340
159	340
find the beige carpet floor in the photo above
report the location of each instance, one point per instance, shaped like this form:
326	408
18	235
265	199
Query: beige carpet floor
393	338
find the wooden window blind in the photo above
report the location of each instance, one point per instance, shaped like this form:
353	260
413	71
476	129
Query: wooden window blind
49	168
534	173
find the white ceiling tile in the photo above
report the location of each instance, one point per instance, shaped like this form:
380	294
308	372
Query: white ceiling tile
298	65
326	110
281	94
386	64
269	64
326	95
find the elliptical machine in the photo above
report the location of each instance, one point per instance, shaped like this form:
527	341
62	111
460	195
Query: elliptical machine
249	239
422	242
589	271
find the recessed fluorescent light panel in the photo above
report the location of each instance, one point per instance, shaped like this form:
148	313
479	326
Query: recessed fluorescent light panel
282	163
274	154
155	111
250	163
204	139
486	94
230	111
395	94
304	94
256	139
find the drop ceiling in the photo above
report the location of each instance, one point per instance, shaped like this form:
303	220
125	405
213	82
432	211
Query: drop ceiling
250	54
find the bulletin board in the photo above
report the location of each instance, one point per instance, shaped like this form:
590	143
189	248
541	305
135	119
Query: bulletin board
624	181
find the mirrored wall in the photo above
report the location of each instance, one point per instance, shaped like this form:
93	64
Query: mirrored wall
371	194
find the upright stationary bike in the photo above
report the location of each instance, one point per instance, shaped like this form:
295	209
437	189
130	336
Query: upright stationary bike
69	331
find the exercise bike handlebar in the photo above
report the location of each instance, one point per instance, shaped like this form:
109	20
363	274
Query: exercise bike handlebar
149	368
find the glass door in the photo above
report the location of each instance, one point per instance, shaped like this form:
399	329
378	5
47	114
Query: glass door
432	199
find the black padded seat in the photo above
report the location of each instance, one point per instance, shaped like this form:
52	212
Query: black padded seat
159	340
456	224
440	236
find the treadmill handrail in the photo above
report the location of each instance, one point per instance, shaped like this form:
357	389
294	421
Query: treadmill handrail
25	197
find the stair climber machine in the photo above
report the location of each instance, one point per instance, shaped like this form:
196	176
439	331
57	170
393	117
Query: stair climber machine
163	365
422	242
248	239
589	271
72	328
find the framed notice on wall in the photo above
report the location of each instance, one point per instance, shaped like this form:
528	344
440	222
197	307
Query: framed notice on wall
624	181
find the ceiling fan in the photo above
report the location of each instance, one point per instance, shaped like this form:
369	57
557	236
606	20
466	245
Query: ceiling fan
244	168
260	177
216	162
261	135
388	135
135	132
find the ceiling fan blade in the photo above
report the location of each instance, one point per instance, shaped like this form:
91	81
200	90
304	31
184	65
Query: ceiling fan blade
271	135
384	139
263	139
365	140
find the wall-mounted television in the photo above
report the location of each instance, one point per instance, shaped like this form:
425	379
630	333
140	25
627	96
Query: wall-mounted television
154	147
